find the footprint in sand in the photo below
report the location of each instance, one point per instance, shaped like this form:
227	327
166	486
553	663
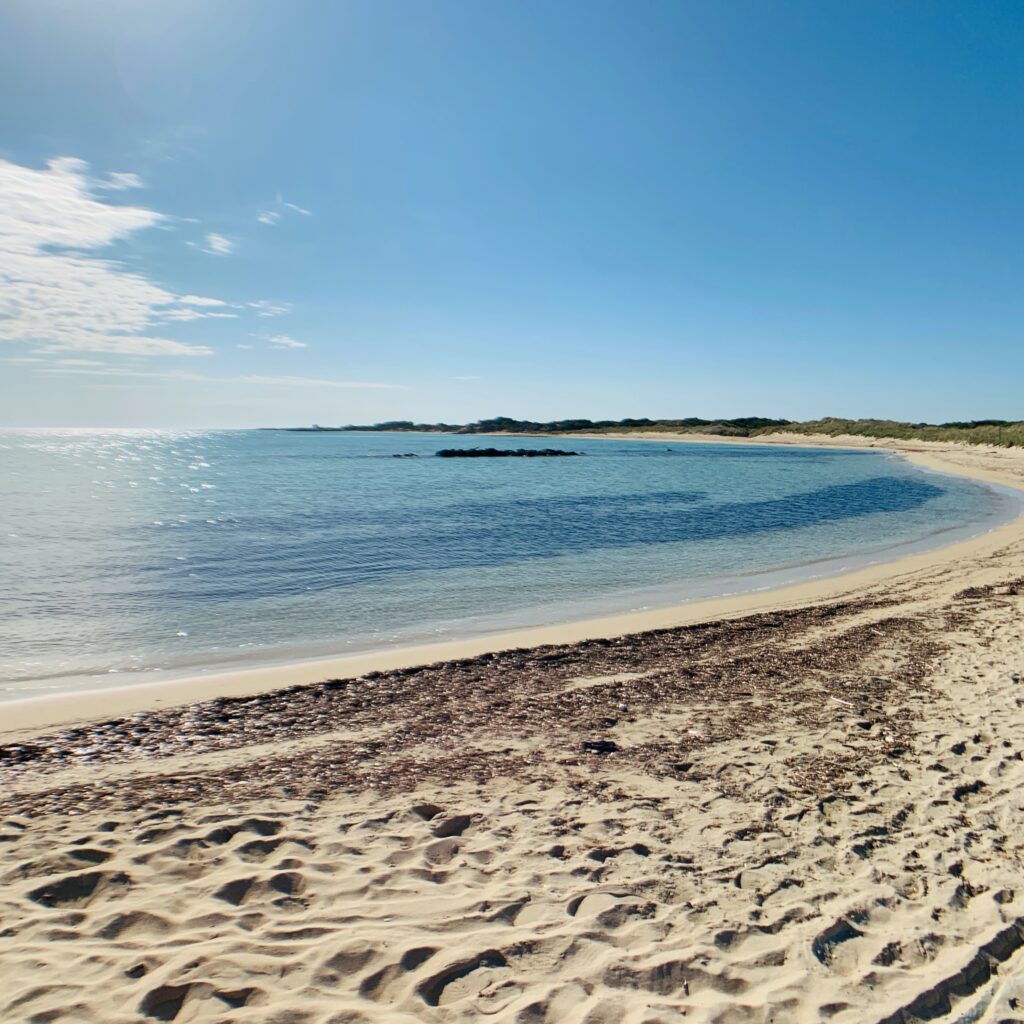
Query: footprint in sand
381	984
167	1002
81	890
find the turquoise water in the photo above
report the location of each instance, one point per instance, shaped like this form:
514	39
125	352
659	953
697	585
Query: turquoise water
131	556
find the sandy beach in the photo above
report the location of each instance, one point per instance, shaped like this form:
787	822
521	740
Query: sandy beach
798	805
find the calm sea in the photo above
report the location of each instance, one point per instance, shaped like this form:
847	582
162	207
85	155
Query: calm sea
131	556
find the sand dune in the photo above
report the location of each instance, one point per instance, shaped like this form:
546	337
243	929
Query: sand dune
803	815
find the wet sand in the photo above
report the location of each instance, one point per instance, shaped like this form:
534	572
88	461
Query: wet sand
808	809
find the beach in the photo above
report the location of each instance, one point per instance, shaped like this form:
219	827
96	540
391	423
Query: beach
789	805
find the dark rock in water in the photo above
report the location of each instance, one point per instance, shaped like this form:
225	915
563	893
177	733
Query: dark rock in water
599	747
503	453
405	455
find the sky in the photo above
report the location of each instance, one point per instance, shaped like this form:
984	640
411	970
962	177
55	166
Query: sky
219	213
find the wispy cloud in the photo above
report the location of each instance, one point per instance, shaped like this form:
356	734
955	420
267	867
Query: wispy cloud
198	307
55	291
273	215
316	382
217	245
139	345
283	341
266	308
195	314
126	373
118	181
121	372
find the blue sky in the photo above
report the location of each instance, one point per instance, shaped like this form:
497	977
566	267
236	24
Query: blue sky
248	213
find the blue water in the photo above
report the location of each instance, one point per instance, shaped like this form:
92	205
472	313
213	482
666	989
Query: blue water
129	556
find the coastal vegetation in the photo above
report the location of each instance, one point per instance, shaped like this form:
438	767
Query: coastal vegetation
1005	433
742	427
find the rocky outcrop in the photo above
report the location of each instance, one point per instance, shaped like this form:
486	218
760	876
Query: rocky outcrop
503	453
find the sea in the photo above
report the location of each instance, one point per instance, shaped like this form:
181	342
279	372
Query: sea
134	556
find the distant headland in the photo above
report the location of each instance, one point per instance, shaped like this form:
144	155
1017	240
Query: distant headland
1005	433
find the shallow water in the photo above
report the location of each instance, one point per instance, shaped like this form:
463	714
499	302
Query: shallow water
132	555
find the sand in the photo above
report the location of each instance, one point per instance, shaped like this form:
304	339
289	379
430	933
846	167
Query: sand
808	807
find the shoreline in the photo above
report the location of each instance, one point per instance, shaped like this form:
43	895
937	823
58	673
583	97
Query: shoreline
30	715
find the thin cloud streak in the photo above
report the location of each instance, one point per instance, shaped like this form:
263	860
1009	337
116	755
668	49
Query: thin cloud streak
218	245
265	308
54	370
185	375
137	346
274	216
118	181
316	382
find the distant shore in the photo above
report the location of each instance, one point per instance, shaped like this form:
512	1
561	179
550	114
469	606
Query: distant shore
990	431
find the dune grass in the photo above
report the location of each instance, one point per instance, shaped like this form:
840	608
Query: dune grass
996	432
